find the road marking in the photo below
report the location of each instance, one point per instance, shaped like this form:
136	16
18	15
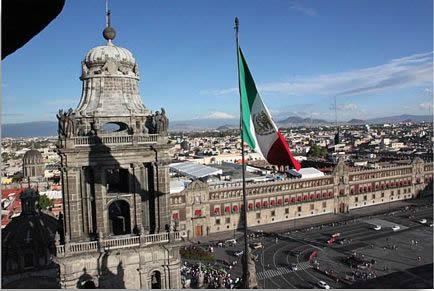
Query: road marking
281	271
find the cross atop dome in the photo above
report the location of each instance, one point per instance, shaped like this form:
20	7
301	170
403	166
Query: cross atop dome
109	33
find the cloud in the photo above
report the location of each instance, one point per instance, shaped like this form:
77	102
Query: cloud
69	101
12	114
348	107
428	91
399	73
297	6
216	115
426	106
219	92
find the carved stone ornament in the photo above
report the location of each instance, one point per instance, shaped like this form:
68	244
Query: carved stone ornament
111	66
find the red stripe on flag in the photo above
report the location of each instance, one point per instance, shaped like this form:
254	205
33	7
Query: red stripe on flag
280	154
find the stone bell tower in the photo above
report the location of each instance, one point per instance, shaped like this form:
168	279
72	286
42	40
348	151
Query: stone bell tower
115	182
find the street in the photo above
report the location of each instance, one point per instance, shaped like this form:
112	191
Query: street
383	251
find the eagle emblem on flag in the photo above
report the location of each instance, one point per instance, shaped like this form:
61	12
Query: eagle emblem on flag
262	123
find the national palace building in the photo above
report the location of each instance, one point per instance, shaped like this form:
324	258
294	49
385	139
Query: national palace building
201	209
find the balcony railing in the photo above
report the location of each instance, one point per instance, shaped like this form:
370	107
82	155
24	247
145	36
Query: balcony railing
121	139
116	243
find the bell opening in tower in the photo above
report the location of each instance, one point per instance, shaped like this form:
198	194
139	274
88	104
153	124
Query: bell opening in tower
117	180
119	216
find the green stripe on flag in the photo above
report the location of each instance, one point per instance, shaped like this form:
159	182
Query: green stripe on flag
248	95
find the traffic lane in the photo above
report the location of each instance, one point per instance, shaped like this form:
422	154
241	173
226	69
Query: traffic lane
273	254
278	281
314	276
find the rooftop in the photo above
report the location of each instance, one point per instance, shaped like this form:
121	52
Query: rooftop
194	171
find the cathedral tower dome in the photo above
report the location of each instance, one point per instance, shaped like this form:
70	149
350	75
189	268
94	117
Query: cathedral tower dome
100	54
110	92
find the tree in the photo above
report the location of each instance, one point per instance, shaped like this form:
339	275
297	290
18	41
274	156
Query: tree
45	202
5	157
317	151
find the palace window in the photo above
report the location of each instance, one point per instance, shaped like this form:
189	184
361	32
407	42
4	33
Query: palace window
217	221
356	199
299	208
312	207
228	220
273	213
286	210
324	204
258	215
365	197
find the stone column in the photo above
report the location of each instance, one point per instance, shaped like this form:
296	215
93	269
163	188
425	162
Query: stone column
162	181
84	203
73	192
174	277
135	189
143	279
100	181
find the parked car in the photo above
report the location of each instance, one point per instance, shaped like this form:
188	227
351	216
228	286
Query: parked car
231	241
377	227
257	245
238	253
423	221
294	267
323	285
396	228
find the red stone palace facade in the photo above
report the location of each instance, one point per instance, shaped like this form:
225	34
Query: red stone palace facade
201	209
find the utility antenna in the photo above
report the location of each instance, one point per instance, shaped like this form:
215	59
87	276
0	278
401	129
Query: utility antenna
336	113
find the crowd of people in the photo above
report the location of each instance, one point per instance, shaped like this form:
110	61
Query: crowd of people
207	276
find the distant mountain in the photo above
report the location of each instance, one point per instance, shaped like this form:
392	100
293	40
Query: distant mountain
299	120
49	128
202	124
226	127
401	118
356	121
29	129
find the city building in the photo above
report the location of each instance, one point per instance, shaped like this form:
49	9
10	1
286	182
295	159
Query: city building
201	208
33	165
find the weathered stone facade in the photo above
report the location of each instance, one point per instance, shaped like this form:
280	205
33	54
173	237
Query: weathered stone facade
201	209
115	183
33	165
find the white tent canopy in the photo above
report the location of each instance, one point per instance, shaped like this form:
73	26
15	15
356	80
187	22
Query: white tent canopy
194	171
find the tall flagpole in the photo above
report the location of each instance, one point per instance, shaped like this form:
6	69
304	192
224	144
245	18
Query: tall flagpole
246	274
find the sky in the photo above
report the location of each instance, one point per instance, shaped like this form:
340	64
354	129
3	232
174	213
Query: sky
374	57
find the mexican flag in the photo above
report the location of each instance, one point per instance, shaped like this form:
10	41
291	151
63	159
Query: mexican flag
259	130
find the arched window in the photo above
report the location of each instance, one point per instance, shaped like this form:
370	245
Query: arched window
156	280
